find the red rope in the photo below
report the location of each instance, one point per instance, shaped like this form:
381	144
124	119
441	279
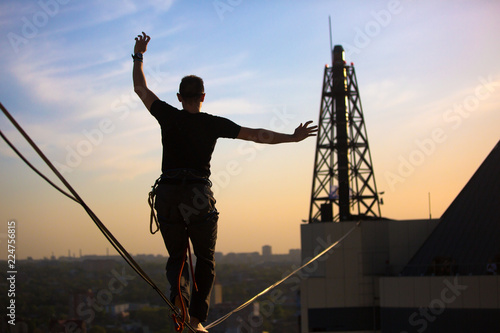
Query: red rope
179	324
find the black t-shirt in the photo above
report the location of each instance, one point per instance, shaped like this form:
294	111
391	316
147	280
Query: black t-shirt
189	139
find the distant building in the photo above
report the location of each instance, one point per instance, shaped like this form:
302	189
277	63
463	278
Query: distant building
216	297
267	251
119	310
245	257
101	264
249	319
293	256
417	275
78	300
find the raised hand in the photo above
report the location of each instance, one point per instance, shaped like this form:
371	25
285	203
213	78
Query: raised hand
141	43
303	131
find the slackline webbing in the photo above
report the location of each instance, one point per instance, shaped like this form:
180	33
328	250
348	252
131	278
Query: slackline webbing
120	249
242	306
35	169
74	196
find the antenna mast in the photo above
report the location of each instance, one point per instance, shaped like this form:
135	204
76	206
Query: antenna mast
343	173
331	41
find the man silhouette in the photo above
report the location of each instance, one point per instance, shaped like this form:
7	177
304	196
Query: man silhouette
185	204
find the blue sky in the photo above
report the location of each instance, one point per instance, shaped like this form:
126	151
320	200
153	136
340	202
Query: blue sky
427	71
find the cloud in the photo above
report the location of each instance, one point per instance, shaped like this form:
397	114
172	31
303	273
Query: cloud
388	95
80	18
11	13
126	153
232	106
31	23
161	5
479	98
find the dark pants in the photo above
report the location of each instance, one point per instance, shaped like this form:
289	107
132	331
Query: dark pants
188	210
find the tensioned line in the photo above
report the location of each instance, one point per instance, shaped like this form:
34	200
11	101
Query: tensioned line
109	236
221	319
120	249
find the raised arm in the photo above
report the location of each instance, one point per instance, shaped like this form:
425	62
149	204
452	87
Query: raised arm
140	86
261	135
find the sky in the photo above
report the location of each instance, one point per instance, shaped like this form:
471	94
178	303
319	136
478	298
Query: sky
428	76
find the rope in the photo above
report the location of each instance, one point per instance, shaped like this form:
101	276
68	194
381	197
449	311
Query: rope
109	236
221	319
121	250
151	202
179	322
35	169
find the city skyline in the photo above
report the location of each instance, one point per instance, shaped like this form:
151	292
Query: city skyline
110	253
429	85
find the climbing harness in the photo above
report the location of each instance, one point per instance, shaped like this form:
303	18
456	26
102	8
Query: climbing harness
177	177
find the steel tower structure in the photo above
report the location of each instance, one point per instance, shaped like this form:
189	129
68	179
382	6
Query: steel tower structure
343	186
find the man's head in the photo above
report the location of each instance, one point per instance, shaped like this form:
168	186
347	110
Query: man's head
191	90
